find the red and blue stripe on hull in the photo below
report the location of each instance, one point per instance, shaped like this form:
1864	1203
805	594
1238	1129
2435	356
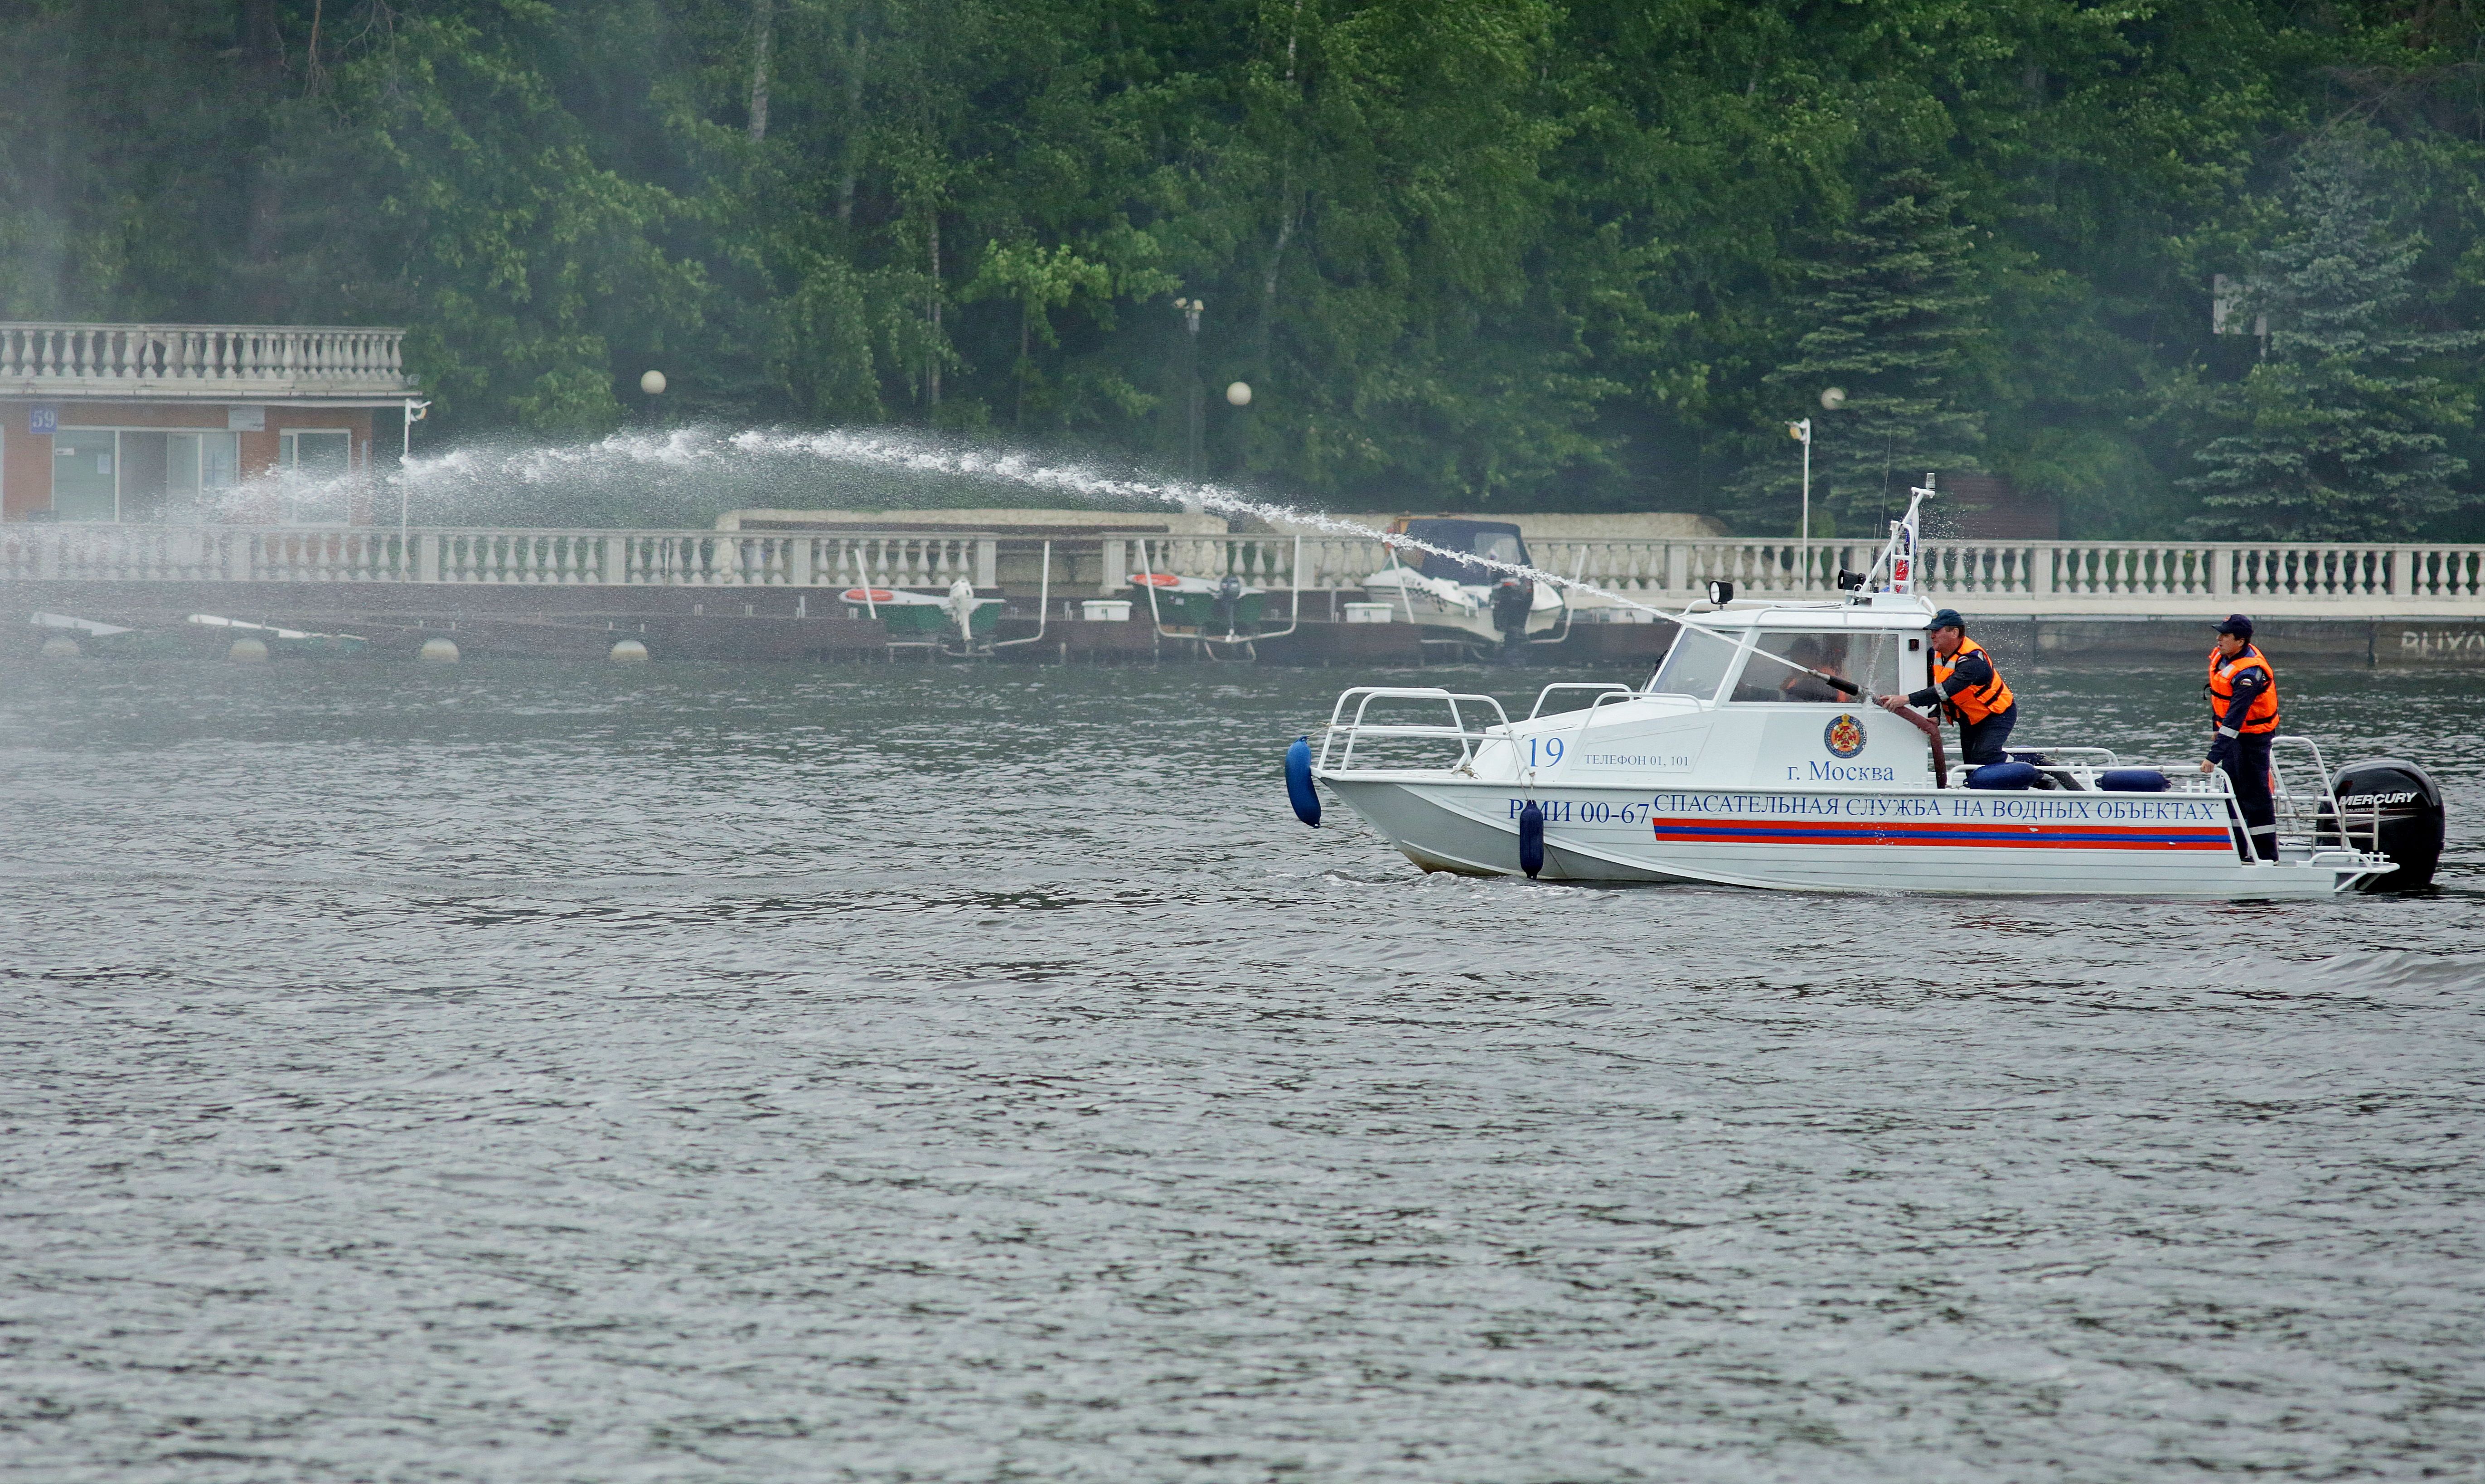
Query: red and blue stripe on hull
2038	837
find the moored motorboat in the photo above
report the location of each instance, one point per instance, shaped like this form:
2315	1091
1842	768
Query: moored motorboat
924	618
1470	597
1751	758
1198	606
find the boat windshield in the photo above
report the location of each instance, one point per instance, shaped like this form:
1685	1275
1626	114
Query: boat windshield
1494	541
1696	665
1868	660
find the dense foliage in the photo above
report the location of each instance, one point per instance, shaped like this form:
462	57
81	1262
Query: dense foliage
1483	252
2345	426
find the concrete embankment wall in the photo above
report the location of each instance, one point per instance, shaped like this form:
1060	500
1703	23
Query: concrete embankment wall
2148	639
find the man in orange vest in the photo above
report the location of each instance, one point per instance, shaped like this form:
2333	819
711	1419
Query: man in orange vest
2242	707
1969	690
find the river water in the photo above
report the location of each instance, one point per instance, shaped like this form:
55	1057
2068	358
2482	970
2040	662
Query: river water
527	1073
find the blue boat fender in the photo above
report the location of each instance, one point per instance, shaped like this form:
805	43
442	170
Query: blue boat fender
1531	839
1299	782
2004	776
2132	780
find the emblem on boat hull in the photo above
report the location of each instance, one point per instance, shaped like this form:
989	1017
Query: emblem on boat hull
1844	736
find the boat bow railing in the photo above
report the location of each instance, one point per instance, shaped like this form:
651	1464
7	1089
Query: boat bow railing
1602	688
1342	735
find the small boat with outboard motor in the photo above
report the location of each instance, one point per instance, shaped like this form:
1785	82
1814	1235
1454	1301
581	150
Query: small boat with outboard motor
926	618
1227	607
1472	588
1752	758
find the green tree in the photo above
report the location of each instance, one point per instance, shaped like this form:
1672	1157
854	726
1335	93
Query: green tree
1520	252
2343	432
1895	322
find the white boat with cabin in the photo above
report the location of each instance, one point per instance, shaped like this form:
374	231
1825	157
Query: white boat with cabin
1472	598
1750	757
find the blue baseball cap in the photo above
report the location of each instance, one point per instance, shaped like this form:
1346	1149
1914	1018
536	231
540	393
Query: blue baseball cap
2237	625
1948	618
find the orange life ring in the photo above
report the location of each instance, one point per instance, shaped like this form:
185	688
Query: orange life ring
874	595
1155	578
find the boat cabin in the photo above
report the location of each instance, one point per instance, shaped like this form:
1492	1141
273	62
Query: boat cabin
1753	699
1783	655
1496	541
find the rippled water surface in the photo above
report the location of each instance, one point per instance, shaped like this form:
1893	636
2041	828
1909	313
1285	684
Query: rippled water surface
527	1073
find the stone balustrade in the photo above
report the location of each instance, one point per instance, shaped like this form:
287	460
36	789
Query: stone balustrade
363	553
214	363
1995	578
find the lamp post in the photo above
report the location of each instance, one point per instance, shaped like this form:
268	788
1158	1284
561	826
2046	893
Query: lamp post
415	412
1802	433
1190	440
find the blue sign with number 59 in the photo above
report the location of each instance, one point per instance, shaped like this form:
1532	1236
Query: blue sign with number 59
42	419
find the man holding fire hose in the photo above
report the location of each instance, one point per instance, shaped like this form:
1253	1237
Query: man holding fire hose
1969	690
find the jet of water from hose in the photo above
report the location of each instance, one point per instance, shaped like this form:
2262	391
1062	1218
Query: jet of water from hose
898	451
690	451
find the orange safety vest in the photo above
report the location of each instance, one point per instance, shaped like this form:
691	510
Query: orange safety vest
2262	716
1972	706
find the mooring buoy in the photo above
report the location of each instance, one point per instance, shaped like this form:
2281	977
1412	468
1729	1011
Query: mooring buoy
438	651
247	649
60	646
629	651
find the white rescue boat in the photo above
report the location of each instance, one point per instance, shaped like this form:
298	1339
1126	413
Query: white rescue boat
1754	758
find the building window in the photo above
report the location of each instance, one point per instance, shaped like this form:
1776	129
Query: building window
322	454
140	474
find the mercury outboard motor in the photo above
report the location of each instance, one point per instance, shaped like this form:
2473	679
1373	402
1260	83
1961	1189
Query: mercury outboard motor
1229	601
2409	804
1514	598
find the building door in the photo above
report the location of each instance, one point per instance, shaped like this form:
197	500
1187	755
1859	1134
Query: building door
85	481
145	476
